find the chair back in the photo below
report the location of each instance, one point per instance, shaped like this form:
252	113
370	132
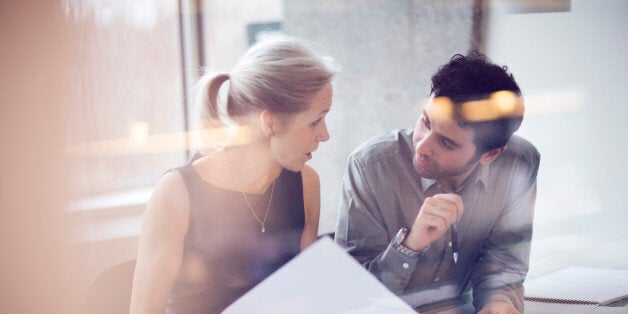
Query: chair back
110	292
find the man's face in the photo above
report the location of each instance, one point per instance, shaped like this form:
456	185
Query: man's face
442	149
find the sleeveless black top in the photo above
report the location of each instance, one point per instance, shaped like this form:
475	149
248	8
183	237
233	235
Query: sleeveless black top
225	252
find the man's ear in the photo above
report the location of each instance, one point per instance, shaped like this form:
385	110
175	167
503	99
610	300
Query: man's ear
269	122
491	155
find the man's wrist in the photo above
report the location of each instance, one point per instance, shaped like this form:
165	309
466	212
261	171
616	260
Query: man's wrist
412	244
398	244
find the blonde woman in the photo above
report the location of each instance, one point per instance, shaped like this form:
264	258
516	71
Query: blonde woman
223	222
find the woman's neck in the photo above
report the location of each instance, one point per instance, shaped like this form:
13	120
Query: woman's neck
252	166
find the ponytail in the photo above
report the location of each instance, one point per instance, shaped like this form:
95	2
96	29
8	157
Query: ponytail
208	99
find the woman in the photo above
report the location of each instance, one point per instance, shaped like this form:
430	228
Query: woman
220	224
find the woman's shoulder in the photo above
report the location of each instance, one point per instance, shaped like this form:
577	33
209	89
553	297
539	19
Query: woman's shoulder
309	176
311	183
170	198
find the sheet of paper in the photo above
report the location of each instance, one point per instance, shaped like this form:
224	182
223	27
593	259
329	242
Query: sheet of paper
580	283
322	279
532	307
609	310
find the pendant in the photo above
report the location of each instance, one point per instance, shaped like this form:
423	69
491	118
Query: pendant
263	229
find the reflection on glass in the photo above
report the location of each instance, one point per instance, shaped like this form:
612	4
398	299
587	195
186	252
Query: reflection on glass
129	84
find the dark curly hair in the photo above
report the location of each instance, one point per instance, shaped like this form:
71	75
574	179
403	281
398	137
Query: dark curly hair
475	77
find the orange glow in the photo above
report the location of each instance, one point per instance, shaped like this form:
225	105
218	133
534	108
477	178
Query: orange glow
444	108
501	104
140	142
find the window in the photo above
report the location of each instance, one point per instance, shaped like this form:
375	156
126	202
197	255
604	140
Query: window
231	26
571	66
130	124
128	127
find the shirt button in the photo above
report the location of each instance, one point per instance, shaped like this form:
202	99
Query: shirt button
449	244
436	279
405	265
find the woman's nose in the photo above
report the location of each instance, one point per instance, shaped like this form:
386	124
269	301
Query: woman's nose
323	135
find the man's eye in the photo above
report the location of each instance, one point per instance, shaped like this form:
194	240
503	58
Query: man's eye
317	122
425	123
447	144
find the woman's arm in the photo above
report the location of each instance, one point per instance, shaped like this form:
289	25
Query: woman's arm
160	251
312	205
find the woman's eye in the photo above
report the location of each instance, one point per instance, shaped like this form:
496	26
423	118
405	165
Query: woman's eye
317	122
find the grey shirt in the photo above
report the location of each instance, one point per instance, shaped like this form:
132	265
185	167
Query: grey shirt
381	193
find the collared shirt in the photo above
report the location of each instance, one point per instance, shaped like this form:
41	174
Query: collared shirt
382	192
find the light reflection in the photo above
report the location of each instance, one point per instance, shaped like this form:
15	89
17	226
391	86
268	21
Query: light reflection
140	14
140	142
444	108
501	104
545	103
138	132
554	102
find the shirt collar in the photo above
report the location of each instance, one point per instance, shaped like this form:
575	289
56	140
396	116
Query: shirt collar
480	175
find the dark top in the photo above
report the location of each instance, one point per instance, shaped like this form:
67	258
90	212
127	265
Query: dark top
225	252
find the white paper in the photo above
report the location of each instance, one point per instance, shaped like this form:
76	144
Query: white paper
580	283
532	307
322	279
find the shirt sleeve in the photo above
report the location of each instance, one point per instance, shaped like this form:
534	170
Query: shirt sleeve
361	230
503	265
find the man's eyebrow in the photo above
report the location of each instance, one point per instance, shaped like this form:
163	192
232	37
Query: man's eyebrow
452	142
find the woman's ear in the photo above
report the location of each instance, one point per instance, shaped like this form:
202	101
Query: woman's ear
491	155
269	122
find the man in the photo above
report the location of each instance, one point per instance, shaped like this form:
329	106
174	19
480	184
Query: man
445	211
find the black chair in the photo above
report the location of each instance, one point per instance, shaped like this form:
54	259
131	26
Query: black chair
110	292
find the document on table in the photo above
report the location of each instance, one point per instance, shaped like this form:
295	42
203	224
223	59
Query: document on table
579	285
322	279
577	290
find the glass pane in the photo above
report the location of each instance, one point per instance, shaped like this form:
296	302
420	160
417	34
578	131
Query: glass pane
128	128
230	25
575	111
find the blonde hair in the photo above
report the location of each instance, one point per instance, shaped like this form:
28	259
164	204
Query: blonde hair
281	74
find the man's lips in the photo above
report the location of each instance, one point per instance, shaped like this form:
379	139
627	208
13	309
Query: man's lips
421	163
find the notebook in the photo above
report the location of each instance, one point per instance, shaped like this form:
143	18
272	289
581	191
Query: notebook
586	286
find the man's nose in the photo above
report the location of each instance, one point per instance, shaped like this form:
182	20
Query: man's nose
424	147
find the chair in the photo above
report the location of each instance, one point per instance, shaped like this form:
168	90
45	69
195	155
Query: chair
110	292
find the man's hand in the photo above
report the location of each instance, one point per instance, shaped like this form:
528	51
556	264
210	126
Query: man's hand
499	307
437	214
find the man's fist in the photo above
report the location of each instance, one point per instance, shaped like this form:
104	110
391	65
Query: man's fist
435	217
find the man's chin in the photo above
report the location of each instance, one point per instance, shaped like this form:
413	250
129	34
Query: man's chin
424	173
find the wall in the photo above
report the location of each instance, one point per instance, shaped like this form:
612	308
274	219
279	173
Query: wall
572	69
388	50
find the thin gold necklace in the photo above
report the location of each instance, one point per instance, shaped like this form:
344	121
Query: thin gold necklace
262	223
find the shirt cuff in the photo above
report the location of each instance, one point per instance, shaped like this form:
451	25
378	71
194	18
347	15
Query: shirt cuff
399	261
396	269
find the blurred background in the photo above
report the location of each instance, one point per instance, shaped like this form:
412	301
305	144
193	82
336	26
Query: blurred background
96	107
